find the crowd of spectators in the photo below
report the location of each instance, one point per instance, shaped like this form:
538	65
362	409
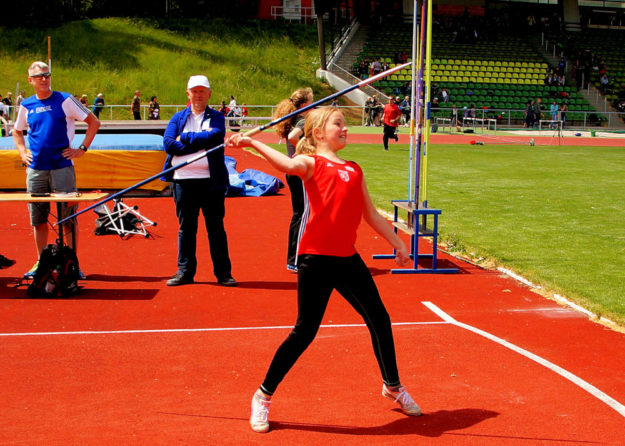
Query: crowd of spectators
9	107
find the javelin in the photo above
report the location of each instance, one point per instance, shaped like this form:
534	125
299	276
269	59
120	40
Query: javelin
248	133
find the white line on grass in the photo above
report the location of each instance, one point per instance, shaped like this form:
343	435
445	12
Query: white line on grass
198	330
620	408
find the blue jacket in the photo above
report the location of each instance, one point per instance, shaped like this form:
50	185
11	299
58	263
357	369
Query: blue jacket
192	142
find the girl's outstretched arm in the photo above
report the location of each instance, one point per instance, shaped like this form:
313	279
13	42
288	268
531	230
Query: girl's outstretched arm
300	165
381	226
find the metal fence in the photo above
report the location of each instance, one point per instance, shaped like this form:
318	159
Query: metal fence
357	116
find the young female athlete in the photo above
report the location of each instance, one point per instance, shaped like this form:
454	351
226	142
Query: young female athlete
293	130
327	260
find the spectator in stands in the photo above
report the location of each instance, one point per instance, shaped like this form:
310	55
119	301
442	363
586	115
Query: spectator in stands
435	90
223	109
385	66
586	77
363	69
4	124
454	117
368	111
335	102
20	98
154	111
136	106
8	100
84	101
232	106
553	112
605	83
561	66
578	73
563	110
4	109
98	105
391	116
405	110
377	66
529	114
376	111
538	109
445	95
244	113
473	111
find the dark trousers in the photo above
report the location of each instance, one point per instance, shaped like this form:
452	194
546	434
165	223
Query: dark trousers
298	197
389	132
190	197
317	276
137	115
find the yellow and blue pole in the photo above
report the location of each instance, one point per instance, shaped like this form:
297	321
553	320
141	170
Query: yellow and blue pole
428	101
420	95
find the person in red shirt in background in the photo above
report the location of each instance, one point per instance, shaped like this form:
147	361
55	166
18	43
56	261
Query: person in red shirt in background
327	259
391	116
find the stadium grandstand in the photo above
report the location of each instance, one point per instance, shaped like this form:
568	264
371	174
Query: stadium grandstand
495	57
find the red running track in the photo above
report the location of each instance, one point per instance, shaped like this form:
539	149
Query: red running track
131	361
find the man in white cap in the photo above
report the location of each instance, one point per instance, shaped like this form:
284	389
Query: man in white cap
200	185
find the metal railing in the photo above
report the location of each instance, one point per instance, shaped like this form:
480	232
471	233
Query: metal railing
357	116
342	41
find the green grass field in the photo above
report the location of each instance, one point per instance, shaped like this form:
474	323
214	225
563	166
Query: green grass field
553	214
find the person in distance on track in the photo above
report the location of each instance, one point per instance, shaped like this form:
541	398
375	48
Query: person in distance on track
327	259
391	117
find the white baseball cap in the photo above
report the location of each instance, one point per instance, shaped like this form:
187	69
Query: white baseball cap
198	81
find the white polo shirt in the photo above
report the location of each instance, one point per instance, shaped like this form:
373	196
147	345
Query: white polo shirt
197	169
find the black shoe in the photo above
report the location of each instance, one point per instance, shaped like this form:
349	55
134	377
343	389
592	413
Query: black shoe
179	279
5	263
227	281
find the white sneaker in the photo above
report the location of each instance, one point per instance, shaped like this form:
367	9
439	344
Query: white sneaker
408	406
260	412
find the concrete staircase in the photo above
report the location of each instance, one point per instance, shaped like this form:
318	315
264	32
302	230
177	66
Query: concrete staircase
348	57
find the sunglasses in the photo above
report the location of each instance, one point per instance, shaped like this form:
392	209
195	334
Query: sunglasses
44	75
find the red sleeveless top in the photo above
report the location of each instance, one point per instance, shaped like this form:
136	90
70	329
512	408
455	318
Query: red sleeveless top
334	208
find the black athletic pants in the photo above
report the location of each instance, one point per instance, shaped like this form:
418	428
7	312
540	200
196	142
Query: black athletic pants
389	132
296	186
317	276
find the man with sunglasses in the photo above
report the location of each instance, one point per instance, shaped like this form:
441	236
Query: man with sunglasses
50	117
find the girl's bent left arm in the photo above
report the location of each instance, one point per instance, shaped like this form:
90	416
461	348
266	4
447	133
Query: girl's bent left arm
381	226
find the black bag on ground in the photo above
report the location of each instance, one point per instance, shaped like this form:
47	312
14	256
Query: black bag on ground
57	273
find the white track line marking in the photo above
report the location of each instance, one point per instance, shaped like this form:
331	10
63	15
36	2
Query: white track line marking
620	408
199	330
